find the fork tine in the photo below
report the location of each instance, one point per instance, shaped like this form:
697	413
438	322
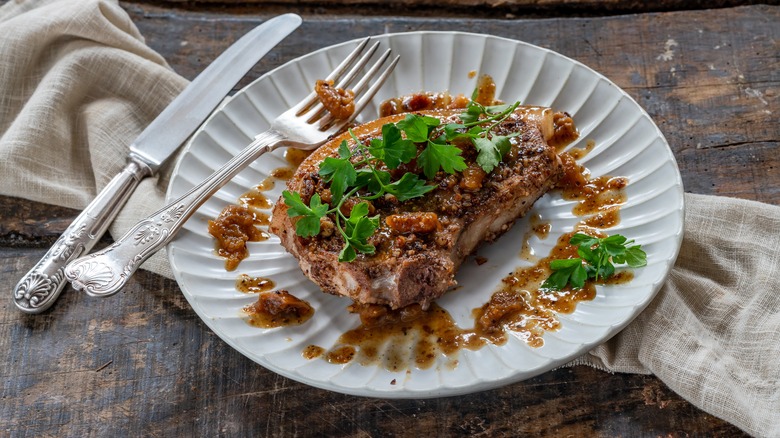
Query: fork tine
311	99
361	104
318	110
347	79
358	88
327	122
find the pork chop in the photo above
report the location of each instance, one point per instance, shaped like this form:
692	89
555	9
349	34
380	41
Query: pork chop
421	243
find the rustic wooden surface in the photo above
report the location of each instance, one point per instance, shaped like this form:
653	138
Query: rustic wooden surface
142	363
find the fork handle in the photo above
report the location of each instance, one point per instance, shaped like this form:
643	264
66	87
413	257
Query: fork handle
42	285
103	273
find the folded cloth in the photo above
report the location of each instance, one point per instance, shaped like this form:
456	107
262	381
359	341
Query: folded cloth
78	84
712	333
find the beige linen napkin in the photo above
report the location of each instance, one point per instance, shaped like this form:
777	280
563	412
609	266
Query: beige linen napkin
713	332
77	84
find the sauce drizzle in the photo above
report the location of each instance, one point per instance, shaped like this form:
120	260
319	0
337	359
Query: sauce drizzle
254	285
277	309
398	339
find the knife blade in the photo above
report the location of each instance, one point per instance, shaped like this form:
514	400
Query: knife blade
42	285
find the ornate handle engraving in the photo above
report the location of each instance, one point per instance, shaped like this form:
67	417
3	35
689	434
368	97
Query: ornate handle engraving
41	287
104	272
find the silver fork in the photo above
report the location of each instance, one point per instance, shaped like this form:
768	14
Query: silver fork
305	126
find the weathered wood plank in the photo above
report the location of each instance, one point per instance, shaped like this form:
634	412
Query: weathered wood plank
454	8
142	363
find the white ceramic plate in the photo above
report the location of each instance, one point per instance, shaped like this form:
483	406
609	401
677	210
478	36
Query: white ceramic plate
627	144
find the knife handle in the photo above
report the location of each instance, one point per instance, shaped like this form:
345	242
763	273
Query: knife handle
40	287
104	272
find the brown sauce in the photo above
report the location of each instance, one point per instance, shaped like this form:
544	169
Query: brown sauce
602	196
411	336
313	352
278	174
339	102
233	228
395	339
526	252
254	285
278	309
486	91
267	184
521	306
261	218
423	101
283	173
605	218
340	355
255	198
539	227
579	153
400	339
296	156
564	131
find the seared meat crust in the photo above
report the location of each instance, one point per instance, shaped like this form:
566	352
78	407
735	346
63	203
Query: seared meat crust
421	242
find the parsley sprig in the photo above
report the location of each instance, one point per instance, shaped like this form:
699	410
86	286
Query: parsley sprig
363	173
477	125
597	258
365	178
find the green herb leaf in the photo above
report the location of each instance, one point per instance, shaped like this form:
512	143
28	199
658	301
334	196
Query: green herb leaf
497	109
308	223
391	148
440	156
566	271
347	253
358	229
472	113
636	257
408	187
374	180
339	172
583	239
452	131
488	155
417	128
502	143
599	255
351	176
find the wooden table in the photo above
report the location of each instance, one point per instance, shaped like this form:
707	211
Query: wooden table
142	362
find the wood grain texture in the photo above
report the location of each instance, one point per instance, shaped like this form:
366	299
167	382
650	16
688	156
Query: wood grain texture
452	8
143	364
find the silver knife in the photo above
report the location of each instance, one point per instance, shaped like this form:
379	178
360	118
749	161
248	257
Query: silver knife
40	287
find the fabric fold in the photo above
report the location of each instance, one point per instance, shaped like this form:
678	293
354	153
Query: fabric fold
77	85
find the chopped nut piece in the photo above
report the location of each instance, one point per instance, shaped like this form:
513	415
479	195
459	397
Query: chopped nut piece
339	102
472	178
405	223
